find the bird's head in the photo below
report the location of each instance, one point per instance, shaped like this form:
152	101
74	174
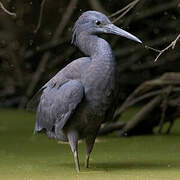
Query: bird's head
93	22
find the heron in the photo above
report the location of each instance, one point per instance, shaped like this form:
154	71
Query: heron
80	97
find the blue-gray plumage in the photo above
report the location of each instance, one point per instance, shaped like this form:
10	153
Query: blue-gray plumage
75	102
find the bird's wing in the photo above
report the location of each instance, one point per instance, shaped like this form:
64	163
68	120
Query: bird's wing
33	103
71	71
58	80
57	104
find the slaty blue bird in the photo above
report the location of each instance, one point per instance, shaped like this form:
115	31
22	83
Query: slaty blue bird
80	97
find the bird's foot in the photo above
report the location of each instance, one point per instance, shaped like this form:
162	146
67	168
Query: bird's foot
76	159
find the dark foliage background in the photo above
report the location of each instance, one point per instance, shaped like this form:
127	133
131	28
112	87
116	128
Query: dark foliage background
29	56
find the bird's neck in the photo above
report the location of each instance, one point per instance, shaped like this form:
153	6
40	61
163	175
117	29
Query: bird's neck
95	47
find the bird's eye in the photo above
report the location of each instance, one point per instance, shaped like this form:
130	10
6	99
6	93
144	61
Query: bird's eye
98	22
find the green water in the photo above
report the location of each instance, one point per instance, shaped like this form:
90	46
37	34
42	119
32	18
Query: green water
28	157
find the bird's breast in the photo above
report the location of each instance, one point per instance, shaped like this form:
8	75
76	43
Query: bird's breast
99	83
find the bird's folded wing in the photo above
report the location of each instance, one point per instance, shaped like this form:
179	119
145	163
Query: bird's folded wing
34	101
57	81
57	104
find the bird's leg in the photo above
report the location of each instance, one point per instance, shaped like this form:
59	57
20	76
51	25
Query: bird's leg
89	141
73	141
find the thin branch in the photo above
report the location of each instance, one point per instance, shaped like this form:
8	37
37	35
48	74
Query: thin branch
151	48
96	5
126	9
171	45
164	106
159	41
44	47
40	16
6	11
120	11
162	7
62	58
131	102
141	115
110	127
65	19
41	67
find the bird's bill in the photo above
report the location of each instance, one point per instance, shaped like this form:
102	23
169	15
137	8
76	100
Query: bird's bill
112	29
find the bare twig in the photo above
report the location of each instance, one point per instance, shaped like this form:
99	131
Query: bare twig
164	106
62	58
96	5
126	9
149	65
40	16
44	47
131	50
171	45
141	115
110	127
6	11
123	9
65	19
153	49
41	67
162	7
136	97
